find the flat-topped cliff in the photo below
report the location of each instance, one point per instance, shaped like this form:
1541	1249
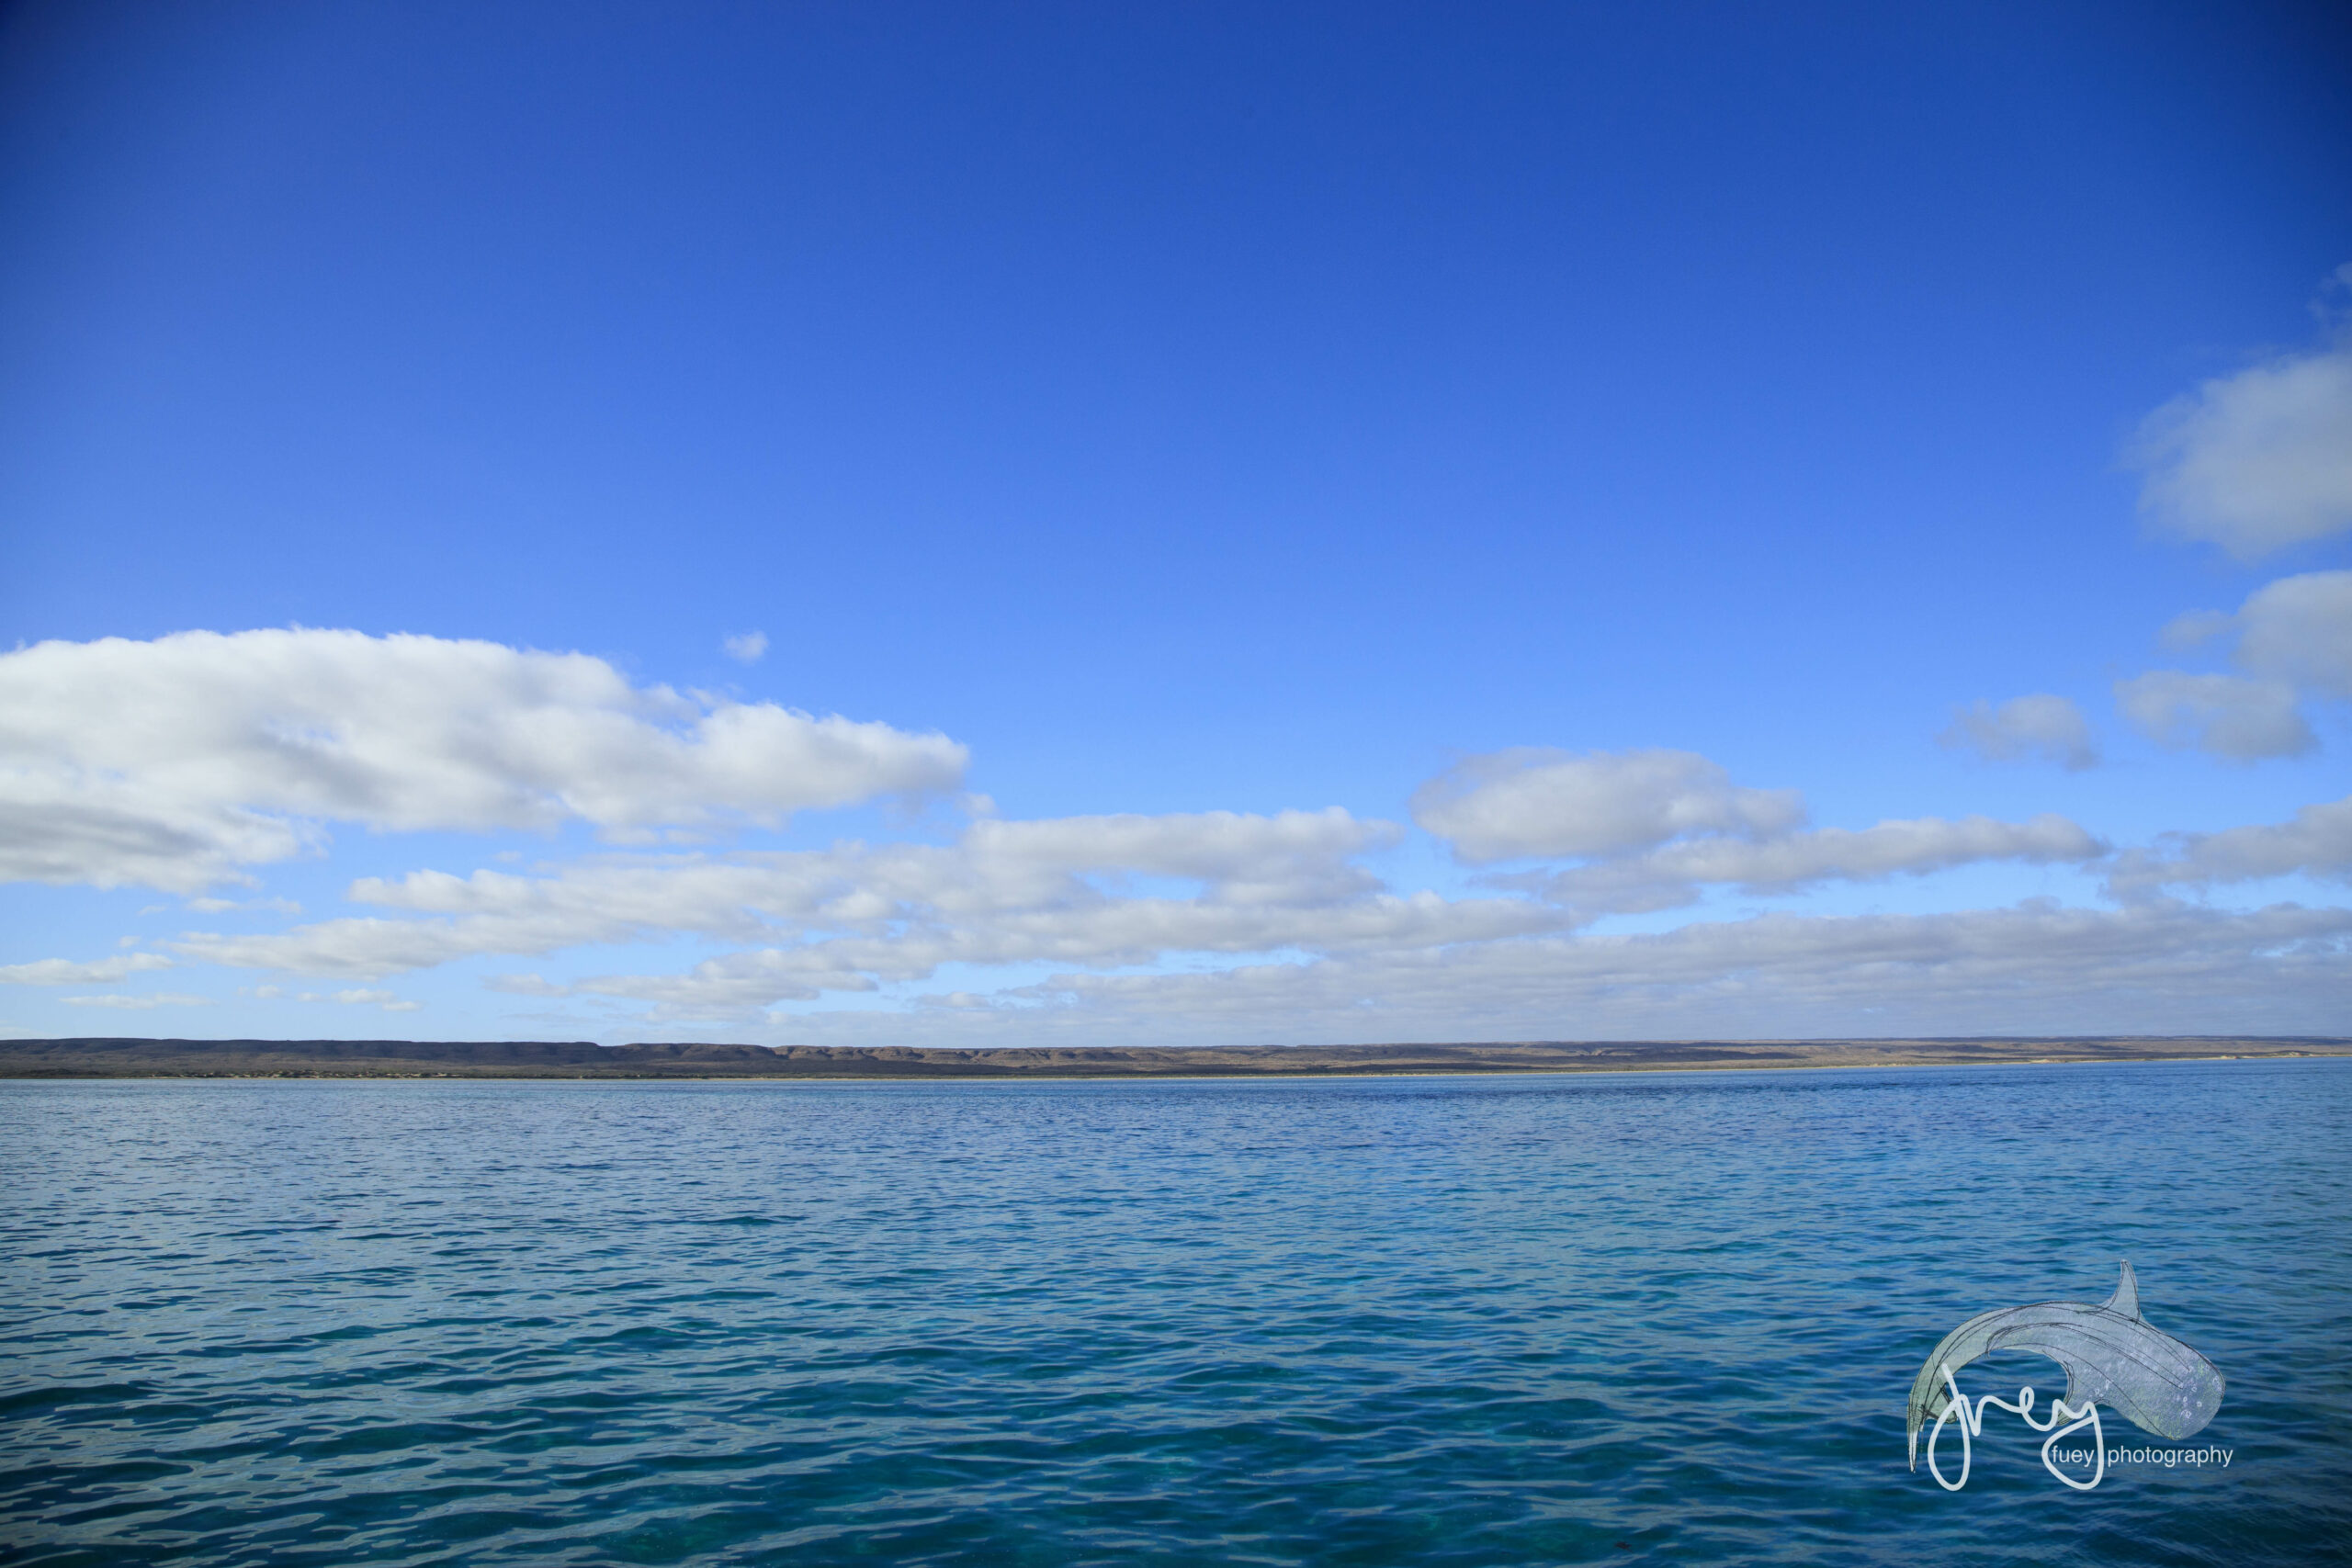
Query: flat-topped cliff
123	1057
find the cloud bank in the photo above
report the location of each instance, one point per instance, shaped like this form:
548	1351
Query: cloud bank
1102	891
59	971
2316	842
183	762
1653	828
1675	874
2165	968
1102	894
175	763
1532	802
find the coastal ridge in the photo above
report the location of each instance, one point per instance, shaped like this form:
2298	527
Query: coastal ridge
133	1057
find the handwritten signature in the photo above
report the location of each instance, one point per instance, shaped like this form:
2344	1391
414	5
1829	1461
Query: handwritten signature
1972	1425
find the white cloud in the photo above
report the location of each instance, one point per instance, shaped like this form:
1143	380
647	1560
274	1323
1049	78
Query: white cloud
2050	728
2299	629
174	762
1128	933
2195	629
2317	842
1671	875
2036	967
1097	893
2229	715
384	999
1292	857
1535	803
61	823
747	648
2256	461
1254	926
159	999
1653	828
62	972
2294	641
1090	890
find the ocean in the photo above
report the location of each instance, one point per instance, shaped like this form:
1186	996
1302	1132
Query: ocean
1638	1318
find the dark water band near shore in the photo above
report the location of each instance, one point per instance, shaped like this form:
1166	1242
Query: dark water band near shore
111	1057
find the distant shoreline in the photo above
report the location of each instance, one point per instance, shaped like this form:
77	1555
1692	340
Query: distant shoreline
119	1058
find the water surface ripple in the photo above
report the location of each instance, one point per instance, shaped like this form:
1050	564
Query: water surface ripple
1636	1318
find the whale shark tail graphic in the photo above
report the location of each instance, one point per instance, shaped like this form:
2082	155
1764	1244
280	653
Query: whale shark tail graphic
2112	1355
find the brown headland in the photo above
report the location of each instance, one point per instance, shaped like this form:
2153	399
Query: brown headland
126	1057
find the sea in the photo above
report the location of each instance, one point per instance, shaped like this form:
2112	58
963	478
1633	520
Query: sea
1624	1318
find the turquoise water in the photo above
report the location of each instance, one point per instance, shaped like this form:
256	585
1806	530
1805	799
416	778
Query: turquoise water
1639	1318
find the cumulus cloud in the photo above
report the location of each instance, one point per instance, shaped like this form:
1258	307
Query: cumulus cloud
1104	893
222	905
1653	827
1089	890
1673	874
1126	934
139	1004
2040	725
2033	967
2317	842
1227	924
2294	640
747	647
2299	630
2194	630
2229	715
171	763
1535	803
385	999
63	972
2256	461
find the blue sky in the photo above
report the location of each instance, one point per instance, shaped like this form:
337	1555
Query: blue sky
1301	523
